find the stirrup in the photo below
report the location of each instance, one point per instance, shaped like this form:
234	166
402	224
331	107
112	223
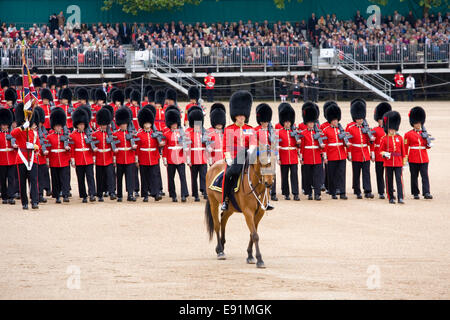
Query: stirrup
224	205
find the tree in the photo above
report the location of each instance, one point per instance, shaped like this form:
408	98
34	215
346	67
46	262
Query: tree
425	4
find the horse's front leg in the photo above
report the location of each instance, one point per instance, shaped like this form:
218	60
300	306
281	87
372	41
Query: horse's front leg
249	218
250	258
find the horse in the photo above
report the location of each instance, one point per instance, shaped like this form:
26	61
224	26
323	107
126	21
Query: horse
252	198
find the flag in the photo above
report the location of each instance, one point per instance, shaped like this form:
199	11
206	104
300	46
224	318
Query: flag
29	93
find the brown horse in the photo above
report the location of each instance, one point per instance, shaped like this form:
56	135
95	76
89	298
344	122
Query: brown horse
252	197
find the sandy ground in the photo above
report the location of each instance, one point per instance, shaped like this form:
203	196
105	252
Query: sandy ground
358	249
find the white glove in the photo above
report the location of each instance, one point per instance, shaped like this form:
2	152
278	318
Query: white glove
30	146
387	155
165	161
26	124
229	162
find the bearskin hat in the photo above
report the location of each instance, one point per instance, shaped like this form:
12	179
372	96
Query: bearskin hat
173	107
18	114
87	109
195	114
15	80
391	120
103	117
10	95
193	93
241	104
66	93
135	96
281	106
171	94
127	92
381	109
218	105
58	117
46	94
358	110
310	114
148	88
41	113
110	109
286	113
63	81
34	70
35	118
52	81
218	116
333	112
145	115
82	93
37	83
122	116
117	95
151	108
325	107
358	100
151	95
172	116
263	113
44	79
160	97
3	74
6	116
417	114
5	83
100	95
80	116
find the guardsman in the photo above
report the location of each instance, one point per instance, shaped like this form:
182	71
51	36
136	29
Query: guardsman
104	169
83	97
37	86
47	106
392	150
336	153
379	133
288	152
360	151
44	80
100	99
19	88
7	158
82	155
170	98
135	97
210	81
149	98
118	99
217	117
239	138
65	99
193	95
43	172
63	82
52	81
127	92
27	150
174	153
160	123
197	151
5	84
311	154
147	154
125	155
399	83
322	127
10	98
59	156
416	147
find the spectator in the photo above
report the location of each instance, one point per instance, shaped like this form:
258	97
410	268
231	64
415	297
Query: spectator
410	85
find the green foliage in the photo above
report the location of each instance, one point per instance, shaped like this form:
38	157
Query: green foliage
426	4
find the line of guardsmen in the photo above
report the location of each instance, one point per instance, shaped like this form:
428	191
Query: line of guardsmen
128	137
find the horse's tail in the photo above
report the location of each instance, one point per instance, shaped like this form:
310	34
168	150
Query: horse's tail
209	220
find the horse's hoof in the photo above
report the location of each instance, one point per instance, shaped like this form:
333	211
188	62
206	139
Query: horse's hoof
251	260
260	265
221	256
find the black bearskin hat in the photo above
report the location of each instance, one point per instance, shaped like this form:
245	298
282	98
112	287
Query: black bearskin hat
325	107
135	96
63	81
18	81
10	95
151	95
110	109
66	93
122	116
35	118
160	97
218	116
127	92
44	79
148	88
52	81
145	115
46	94
195	114
18	114
391	120
171	94
310	114
358	110
100	95
87	109
286	113
217	105
263	113
6	116
172	116
41	113
381	109
333	112
117	95
58	117
358	100
3	74
5	83
82	93
193	93
103	117
37	83
80	116
417	114
281	106
151	108
241	105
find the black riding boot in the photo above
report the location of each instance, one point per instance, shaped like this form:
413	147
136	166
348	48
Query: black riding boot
226	191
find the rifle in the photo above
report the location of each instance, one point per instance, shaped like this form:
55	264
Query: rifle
318	135
206	139
52	105
427	137
11	138
157	134
343	135
272	136
183	140
89	139
70	108
110	139
131	134
295	134
366	130
65	138
42	140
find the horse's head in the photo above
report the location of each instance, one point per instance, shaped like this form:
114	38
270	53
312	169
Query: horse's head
266	161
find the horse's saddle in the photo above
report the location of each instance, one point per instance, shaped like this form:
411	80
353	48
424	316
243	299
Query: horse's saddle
217	183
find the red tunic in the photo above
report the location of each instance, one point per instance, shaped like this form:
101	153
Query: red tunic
58	156
236	138
147	149
210	81
288	148
334	147
379	134
21	141
95	108
7	152
309	148
173	150
186	111
399	80
197	149
55	96
125	154
134	111
160	120
360	144
80	151
65	107
104	154
416	147
47	111
394	145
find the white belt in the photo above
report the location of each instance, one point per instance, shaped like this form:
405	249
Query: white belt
148	149
337	144
6	150
217	150
58	150
134	119
197	149
415	148
311	147
46	117
82	149
103	150
123	149
288	148
359	145
175	148
377	146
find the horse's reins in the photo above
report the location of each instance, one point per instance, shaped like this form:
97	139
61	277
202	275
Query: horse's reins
253	188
